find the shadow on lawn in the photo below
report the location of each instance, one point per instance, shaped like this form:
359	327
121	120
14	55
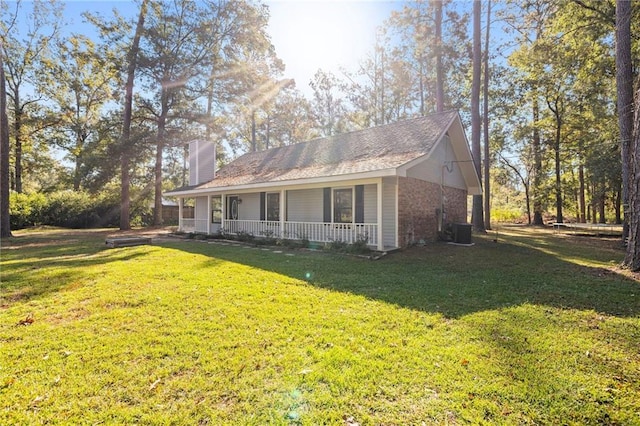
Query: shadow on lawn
456	281
57	265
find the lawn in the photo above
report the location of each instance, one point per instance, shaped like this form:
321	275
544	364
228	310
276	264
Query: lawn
536	328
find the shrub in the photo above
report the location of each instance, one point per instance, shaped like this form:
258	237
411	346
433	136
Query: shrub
245	237
70	209
26	209
360	246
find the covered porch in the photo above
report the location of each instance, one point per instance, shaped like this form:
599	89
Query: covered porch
347	213
311	231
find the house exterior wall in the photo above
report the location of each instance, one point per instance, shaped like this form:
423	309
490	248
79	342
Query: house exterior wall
440	167
249	208
370	203
304	205
201	214
417	204
389	186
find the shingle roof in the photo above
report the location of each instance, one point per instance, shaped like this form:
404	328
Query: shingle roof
377	148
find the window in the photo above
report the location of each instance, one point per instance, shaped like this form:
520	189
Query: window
343	205
273	206
216	209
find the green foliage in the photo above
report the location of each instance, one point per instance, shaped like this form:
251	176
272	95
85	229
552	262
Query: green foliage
26	209
507	215
70	209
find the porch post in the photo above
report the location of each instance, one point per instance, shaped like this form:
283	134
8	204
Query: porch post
223	206
283	211
208	214
379	215
180	203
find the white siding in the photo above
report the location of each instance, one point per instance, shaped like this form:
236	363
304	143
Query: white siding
200	215
249	208
433	169
305	205
370	203
201	208
389	212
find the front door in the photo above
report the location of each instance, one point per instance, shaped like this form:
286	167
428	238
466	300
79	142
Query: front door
232	209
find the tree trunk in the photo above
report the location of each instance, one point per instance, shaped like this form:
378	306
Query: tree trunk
632	256
17	129
624	91
601	205
254	146
536	147
556	109
125	154
485	123
477	218
438	49
618	205
581	198
528	202
5	219
162	121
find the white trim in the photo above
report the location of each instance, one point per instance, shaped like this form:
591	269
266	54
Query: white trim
319	182
379	215
283	207
397	184
209	214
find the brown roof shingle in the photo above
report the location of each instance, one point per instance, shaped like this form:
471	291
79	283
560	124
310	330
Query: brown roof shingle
376	148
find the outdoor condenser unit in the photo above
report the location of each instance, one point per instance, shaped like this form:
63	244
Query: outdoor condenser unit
462	233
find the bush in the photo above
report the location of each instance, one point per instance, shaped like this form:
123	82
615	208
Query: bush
70	209
26	209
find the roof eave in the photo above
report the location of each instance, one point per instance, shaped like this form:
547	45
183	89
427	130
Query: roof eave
285	183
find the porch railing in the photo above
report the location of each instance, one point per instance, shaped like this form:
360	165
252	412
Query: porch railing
193	225
312	231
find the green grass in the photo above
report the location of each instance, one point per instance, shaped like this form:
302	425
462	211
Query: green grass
537	328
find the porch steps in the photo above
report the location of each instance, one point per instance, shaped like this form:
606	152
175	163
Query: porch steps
127	241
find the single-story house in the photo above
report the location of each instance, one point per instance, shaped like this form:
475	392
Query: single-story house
392	185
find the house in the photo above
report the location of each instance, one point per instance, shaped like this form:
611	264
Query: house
392	185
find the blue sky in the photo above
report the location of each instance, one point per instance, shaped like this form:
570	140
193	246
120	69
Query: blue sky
307	34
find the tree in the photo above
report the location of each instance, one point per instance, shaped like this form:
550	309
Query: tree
125	142
624	91
5	223
189	52
438	55
629	136
477	208
485	122
81	85
327	106
26	56
529	19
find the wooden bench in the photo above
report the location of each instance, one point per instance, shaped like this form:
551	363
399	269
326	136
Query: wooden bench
127	241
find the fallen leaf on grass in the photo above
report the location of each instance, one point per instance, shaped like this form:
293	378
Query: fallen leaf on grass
38	399
464	362
27	321
154	384
350	421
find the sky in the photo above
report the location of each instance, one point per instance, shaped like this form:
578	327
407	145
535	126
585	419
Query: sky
307	34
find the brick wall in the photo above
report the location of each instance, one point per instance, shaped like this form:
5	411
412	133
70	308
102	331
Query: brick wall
417	204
